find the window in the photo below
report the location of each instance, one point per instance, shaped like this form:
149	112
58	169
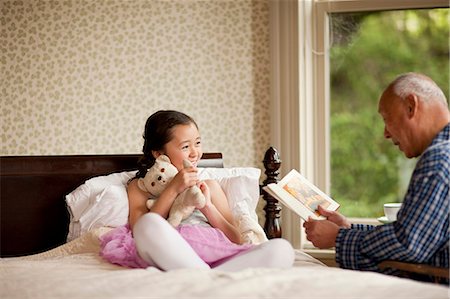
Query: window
367	50
304	86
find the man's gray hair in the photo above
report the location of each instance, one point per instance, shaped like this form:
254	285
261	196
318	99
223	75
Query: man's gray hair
420	85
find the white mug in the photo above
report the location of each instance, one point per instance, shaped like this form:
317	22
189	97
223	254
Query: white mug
391	210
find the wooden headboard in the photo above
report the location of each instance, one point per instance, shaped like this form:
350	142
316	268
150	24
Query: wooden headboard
34	217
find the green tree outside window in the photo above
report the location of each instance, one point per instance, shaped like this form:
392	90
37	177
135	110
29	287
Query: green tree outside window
368	51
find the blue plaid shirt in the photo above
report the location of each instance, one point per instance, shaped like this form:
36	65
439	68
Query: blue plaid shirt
421	232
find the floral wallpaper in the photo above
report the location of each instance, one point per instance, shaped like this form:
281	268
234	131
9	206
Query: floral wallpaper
81	77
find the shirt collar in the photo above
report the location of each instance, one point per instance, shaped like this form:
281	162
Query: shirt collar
442	136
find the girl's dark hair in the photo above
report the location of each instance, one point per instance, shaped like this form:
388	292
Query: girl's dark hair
158	132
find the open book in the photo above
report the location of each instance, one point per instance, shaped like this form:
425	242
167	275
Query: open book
300	195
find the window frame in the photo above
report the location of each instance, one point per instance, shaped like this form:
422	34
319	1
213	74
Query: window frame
322	69
300	87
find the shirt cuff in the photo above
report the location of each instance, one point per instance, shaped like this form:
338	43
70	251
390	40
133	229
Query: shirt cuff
362	227
347	248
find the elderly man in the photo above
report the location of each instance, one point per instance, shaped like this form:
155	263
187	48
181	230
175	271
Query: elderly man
417	120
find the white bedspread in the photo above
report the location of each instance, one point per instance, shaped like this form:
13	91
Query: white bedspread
75	270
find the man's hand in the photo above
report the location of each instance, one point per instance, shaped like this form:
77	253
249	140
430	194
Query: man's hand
335	217
323	233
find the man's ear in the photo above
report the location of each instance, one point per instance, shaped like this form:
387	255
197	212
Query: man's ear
412	104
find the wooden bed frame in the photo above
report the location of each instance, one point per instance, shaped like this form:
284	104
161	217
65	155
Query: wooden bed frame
34	217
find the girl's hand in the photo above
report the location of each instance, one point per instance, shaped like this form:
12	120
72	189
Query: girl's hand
217	210
185	178
206	192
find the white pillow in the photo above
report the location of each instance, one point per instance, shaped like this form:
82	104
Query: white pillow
241	189
87	203
243	195
103	201
219	173
239	184
109	209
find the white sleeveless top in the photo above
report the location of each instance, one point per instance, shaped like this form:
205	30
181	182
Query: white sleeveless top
196	218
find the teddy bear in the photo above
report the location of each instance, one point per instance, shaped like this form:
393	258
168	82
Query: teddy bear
158	177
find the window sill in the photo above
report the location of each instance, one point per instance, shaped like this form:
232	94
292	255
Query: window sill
370	221
328	256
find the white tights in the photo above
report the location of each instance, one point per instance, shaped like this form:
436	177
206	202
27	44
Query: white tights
159	244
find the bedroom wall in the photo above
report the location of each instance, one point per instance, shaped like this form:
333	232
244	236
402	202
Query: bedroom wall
81	77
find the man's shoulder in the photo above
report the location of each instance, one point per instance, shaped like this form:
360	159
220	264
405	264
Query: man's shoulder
434	161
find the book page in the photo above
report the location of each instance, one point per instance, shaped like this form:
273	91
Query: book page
288	200
304	191
306	195
301	196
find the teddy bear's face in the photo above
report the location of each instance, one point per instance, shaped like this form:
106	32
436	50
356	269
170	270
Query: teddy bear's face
158	176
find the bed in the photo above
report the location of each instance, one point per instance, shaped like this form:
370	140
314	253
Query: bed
39	260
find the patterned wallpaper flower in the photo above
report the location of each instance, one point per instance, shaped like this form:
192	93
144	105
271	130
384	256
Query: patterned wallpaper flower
81	77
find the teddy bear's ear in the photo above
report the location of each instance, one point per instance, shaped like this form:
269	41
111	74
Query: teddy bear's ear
163	158
141	185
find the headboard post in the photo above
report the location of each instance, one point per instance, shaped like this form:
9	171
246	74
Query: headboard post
272	163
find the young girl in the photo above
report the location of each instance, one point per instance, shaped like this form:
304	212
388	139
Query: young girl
208	238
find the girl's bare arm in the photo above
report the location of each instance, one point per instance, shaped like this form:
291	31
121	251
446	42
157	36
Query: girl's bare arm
218	211
137	202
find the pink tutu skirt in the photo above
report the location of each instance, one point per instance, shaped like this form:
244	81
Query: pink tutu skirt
211	244
118	247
